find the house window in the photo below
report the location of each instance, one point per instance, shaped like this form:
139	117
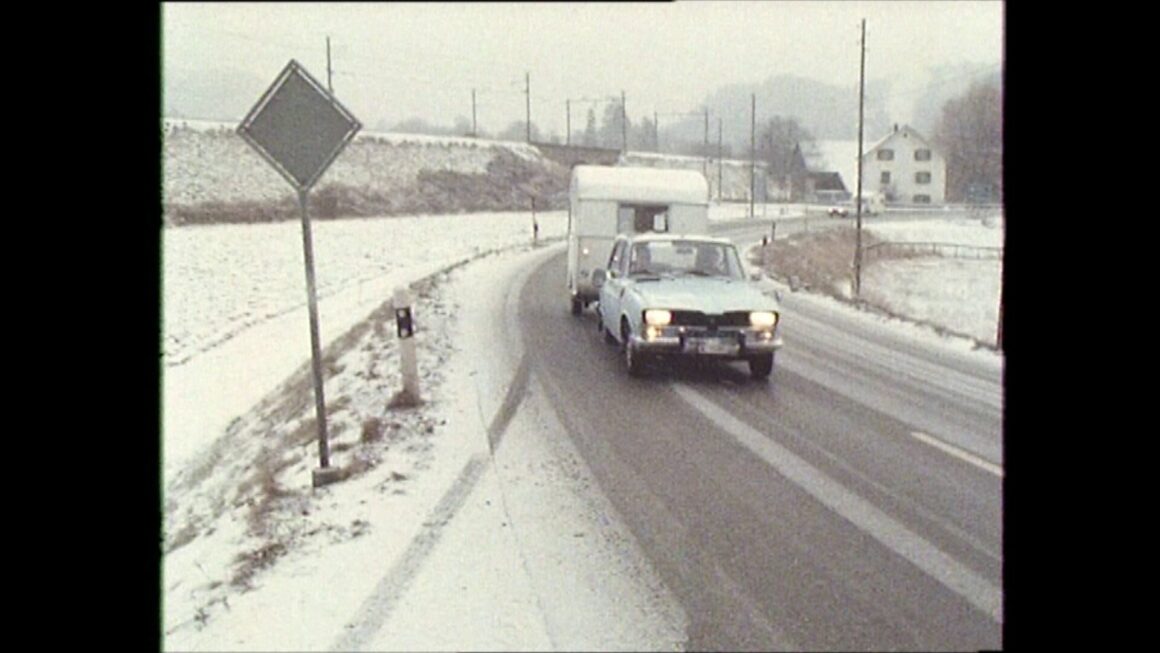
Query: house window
922	199
922	155
885	179
885	155
922	177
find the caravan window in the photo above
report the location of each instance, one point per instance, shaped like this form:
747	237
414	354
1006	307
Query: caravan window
641	218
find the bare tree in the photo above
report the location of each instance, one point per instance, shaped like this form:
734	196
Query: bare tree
779	145
970	136
643	136
518	131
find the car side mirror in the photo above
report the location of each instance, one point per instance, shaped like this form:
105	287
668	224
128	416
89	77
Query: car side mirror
599	276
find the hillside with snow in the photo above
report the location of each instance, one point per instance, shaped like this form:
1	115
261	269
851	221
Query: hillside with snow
210	175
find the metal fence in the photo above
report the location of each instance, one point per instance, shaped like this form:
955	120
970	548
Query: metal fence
949	250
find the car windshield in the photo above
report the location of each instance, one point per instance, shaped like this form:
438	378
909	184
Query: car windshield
685	257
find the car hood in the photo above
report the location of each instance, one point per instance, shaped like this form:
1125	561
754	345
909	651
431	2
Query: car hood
706	294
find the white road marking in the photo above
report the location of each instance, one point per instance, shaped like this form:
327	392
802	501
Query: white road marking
959	453
861	513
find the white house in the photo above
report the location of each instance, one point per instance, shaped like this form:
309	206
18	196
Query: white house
905	168
902	166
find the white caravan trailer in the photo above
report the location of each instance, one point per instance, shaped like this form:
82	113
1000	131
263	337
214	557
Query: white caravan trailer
606	201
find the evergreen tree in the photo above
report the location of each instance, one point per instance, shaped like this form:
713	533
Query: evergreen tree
590	129
611	130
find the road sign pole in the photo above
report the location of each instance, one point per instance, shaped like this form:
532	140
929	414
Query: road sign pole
299	128
315	346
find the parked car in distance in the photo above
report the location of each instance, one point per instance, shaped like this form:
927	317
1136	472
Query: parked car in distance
872	204
663	295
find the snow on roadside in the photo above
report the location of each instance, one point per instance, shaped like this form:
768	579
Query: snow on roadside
961	296
224	281
958	295
239	555
974	232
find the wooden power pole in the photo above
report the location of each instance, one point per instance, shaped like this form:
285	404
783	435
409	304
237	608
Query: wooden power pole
858	197
752	152
329	86
623	124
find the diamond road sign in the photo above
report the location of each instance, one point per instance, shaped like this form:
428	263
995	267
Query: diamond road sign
298	127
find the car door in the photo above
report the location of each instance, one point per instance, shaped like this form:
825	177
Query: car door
613	287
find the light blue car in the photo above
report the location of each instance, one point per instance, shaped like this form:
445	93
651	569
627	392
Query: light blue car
664	295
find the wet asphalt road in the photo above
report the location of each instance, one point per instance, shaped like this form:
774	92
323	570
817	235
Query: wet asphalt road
853	501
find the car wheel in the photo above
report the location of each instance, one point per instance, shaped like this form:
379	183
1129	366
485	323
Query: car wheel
577	305
608	337
633	360
761	366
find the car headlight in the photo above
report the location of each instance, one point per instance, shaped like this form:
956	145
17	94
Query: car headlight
658	317
763	319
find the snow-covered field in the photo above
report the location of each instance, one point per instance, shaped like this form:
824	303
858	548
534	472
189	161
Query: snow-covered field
258	560
958	295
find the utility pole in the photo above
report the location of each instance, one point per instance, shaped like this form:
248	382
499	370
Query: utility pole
705	165
752	151
623	124
858	197
474	131
999	324
568	121
528	97
719	160
656	133
329	86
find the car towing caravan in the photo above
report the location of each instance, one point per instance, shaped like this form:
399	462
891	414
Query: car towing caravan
606	201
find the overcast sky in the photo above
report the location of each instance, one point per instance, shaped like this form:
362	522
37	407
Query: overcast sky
398	60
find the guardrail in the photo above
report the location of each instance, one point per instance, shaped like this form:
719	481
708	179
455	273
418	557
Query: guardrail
949	250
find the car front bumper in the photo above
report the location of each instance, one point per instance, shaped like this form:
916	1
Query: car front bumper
732	343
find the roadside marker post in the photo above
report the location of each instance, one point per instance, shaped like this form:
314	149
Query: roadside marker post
299	128
405	328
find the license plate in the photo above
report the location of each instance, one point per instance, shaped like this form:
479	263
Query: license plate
713	346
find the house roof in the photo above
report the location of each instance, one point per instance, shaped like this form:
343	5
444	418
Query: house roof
834	156
899	129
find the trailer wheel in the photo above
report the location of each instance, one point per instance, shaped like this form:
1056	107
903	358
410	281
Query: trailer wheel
577	305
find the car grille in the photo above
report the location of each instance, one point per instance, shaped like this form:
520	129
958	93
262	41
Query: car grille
711	320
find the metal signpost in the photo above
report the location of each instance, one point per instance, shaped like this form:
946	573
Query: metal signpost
300	128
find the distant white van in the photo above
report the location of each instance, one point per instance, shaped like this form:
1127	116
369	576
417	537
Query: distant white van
609	200
873	203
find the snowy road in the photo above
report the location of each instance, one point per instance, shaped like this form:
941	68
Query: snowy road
806	513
